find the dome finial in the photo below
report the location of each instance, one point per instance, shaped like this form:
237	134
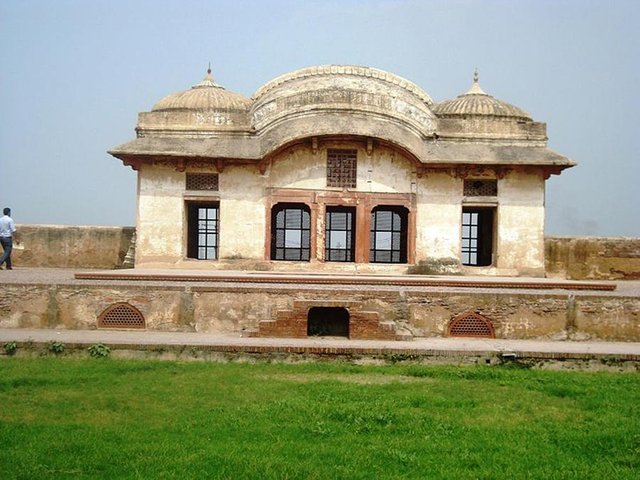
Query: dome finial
207	81
475	88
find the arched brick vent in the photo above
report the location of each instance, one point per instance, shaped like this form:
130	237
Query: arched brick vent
471	324
121	315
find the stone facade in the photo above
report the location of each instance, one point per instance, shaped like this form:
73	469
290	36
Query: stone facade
351	144
383	313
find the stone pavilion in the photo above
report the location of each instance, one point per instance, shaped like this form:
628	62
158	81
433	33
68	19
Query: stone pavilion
340	168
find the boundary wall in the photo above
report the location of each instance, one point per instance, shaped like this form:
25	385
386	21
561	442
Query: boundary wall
66	246
61	246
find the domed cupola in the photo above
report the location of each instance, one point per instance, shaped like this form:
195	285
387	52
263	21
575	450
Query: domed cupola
205	108
475	115
478	103
205	96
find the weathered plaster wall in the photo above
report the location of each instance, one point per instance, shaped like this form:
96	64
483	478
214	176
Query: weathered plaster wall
520	242
236	310
439	212
71	246
72	307
602	258
513	315
383	170
242	213
161	216
298	167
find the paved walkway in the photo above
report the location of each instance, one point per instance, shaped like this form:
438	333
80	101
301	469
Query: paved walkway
213	278
423	346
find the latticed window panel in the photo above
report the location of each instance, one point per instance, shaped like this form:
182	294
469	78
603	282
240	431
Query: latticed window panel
121	316
202	181
290	232
480	188
203	230
471	324
340	234
342	166
388	236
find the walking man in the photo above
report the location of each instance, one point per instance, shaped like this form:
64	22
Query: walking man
7	229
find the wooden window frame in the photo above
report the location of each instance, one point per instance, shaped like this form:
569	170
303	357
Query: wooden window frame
398	230
279	251
334	254
477	236
210	229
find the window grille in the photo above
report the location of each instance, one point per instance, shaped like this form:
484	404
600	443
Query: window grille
203	230
121	315
290	232
342	168
471	324
388	238
480	188
340	234
202	181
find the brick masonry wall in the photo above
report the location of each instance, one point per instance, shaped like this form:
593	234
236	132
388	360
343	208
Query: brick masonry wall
240	310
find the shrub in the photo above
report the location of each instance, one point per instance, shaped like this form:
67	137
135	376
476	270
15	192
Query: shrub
10	348
56	347
99	350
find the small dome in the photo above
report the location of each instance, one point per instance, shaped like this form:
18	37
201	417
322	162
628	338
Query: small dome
205	96
477	103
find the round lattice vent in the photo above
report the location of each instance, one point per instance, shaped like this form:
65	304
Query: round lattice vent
121	315
471	324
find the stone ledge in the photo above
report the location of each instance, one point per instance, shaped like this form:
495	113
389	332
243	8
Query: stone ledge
223	352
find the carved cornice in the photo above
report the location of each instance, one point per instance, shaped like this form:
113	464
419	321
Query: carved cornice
464	171
548	171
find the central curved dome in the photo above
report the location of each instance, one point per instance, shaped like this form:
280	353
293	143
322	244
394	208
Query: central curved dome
351	91
343	70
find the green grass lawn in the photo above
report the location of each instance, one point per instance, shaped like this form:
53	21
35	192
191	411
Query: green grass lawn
108	418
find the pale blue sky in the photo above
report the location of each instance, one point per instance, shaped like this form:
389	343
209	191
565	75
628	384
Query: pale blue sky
74	74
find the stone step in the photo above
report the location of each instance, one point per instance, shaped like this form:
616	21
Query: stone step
388	326
404	335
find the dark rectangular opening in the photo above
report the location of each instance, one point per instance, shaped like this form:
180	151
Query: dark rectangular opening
328	321
477	236
202	230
